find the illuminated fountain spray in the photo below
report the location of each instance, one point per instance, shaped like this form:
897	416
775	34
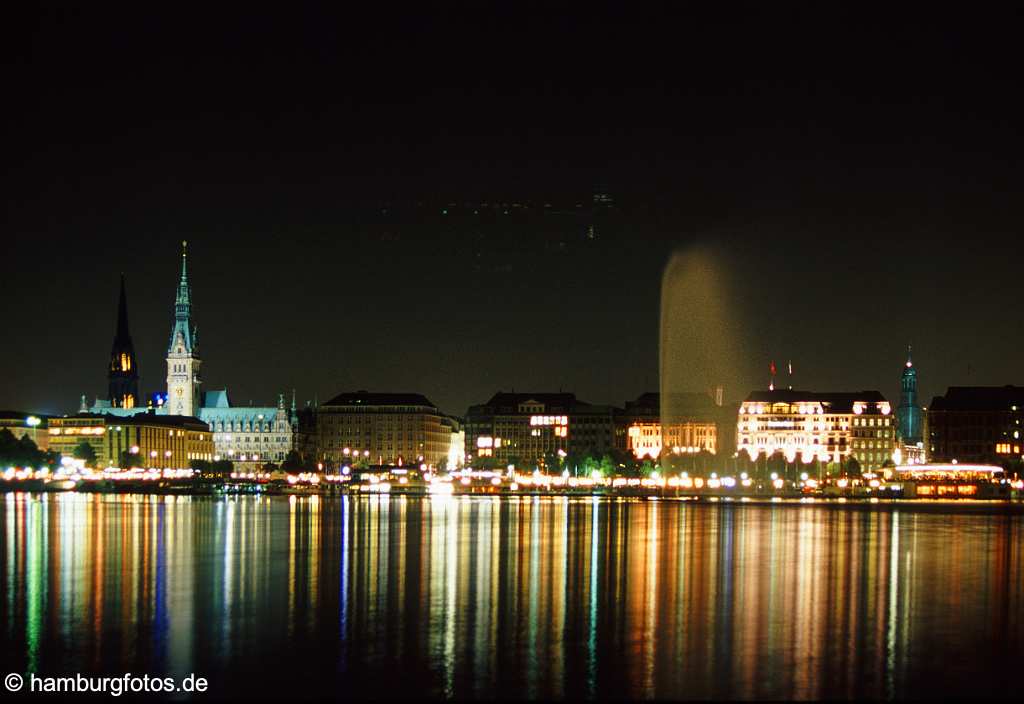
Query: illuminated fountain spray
700	352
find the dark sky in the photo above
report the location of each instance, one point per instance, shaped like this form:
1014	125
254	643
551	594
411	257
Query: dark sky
857	172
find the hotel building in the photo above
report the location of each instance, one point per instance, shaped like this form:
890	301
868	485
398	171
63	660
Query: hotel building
398	429
830	427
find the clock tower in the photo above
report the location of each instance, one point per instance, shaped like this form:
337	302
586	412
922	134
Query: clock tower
183	396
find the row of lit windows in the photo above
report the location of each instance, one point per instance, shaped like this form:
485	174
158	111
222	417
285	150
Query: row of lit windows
870	444
252	438
549	420
871	421
247	427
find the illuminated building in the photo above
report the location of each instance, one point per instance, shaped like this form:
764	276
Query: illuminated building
249	435
383	428
183	363
518	428
525	428
977	424
694	425
30	425
140	440
829	427
123	373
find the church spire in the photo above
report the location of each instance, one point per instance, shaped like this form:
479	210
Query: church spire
122	315
123	372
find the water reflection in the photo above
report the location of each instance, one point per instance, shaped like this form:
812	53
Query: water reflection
535	598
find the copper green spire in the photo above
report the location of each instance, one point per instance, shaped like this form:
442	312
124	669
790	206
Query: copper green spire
183	309
909	414
184	293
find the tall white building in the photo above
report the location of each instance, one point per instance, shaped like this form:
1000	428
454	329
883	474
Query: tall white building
183	396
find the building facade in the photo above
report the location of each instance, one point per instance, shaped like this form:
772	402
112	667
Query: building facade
249	436
527	429
396	429
692	425
828	427
520	429
141	440
592	430
977	424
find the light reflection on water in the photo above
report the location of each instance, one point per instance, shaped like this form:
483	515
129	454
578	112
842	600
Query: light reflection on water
528	598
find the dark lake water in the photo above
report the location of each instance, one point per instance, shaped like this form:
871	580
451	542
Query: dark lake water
505	598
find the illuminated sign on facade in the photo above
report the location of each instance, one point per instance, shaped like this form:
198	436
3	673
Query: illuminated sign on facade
549	420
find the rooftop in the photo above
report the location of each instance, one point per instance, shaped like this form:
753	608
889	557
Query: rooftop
149	418
836	401
21	416
979	398
374	398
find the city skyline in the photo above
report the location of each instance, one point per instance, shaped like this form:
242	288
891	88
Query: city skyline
153	376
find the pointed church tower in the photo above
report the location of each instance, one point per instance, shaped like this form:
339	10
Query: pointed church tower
909	413
123	372
183	397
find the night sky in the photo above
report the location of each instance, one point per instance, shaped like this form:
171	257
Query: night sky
857	175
